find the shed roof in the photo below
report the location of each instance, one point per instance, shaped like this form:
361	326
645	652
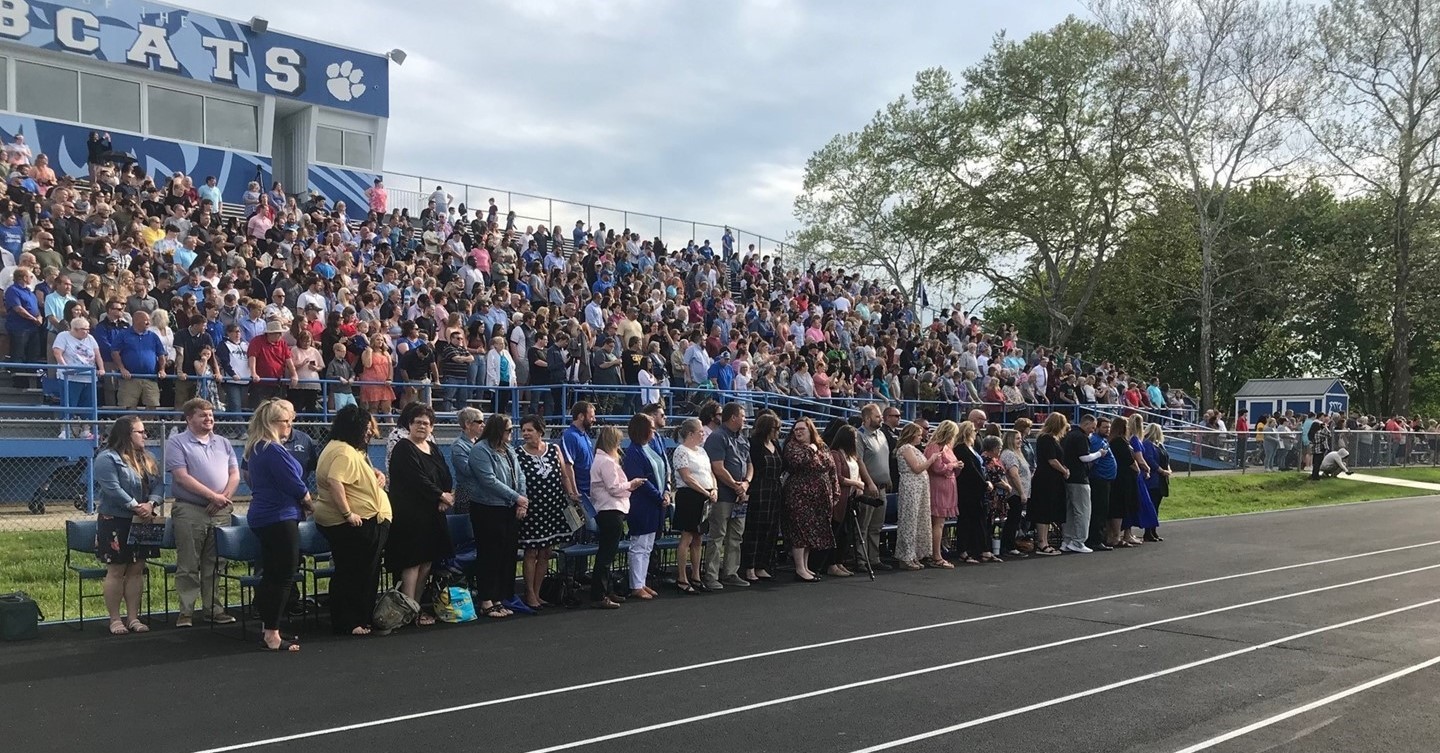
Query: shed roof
1291	387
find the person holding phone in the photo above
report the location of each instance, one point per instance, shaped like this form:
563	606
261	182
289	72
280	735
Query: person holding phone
610	491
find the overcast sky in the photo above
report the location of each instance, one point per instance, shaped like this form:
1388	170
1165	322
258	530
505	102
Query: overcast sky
704	111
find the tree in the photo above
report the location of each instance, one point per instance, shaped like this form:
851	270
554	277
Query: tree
858	210
1039	165
1379	124
1227	77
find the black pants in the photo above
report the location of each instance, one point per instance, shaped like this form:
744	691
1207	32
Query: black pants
1011	529
1315	459
27	345
1156	499
1099	512
355	553
497	534
1242	449
971	536
762	523
279	559
843	531
611	525
305	401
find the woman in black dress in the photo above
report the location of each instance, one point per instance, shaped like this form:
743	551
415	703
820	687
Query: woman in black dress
1124	490
762	518
421	492
1047	491
972	493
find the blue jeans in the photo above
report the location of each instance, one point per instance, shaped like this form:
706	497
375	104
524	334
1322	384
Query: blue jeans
455	394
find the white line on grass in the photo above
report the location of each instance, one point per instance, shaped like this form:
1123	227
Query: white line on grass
1131	681
789	650
1326	701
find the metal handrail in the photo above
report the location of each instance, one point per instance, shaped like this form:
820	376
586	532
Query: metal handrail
537	209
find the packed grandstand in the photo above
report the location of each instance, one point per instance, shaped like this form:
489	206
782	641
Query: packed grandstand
269	294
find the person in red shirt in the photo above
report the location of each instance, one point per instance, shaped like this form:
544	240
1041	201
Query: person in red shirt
1242	437
270	364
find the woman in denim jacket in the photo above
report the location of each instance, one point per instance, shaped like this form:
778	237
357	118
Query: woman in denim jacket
495	486
128	485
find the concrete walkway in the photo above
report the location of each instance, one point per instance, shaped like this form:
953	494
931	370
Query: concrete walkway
1392	481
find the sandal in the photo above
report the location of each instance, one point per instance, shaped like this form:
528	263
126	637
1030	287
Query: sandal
1048	551
117	627
686	588
425	619
495	611
991	558
287	646
913	566
944	564
136	626
1123	545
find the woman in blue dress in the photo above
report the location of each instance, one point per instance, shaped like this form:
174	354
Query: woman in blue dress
1144	513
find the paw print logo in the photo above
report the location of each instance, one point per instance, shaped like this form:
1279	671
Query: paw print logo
343	80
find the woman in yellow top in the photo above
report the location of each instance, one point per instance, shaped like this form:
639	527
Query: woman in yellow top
353	513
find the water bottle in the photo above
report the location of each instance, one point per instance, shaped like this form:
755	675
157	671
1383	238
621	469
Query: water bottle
995	542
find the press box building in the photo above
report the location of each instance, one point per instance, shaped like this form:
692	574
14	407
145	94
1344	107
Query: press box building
184	91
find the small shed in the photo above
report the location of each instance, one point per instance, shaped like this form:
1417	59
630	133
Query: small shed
1266	396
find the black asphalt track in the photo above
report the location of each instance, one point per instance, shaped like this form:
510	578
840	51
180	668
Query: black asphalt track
195	690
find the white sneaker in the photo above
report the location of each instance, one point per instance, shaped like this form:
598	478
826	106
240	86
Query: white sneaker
1082	549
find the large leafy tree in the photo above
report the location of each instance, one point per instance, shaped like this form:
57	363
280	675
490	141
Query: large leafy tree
1378	124
1041	158
1228	77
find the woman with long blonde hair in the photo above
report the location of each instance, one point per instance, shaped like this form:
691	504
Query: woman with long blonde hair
943	502
913	506
278	502
1047	487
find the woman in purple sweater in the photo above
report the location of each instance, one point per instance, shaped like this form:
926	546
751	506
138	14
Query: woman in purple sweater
279	501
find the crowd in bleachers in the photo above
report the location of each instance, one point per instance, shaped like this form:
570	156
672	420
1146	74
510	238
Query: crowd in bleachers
261	297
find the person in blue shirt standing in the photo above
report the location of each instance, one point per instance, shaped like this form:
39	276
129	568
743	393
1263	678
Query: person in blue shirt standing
23	323
579	449
279	501
722	375
1102	472
727	244
138	351
12	238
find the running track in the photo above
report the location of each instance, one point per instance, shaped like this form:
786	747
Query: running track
1309	630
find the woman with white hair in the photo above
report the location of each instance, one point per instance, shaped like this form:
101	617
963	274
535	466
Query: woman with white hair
77	347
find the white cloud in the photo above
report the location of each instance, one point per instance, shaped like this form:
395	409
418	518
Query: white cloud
705	111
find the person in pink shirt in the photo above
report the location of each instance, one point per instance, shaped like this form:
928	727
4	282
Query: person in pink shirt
822	380
610	495
378	197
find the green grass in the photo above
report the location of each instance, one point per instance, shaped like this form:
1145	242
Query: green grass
1227	494
32	561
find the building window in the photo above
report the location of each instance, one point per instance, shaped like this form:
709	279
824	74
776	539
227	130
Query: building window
46	91
357	150
328	145
109	102
348	148
4	84
231	125
177	115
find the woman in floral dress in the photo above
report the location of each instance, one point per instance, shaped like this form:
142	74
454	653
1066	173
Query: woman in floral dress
809	494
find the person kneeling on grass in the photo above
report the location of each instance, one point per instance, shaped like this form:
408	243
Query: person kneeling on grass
1334	463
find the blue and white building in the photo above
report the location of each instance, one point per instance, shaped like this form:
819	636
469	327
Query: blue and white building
184	91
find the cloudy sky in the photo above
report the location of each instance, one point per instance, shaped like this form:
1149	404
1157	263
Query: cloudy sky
704	111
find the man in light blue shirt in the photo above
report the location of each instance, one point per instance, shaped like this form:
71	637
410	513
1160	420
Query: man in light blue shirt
1157	398
210	191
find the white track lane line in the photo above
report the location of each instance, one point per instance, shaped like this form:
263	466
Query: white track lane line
953	665
1326	701
1133	680
790	650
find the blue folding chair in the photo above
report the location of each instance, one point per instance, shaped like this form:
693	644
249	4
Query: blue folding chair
315	561
238	544
80	537
167	570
